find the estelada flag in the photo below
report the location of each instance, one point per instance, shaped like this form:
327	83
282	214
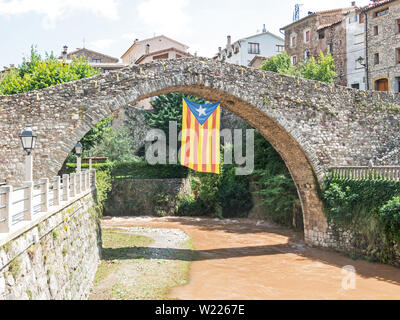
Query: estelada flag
201	136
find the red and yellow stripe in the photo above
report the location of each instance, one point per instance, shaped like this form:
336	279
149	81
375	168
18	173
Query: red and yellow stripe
201	143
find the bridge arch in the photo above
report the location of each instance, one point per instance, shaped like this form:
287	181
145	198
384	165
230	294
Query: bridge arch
311	125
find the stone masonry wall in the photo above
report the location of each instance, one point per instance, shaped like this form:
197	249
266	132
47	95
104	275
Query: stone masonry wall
312	125
141	197
63	262
385	44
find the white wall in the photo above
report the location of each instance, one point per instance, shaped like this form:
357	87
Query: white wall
355	33
268	48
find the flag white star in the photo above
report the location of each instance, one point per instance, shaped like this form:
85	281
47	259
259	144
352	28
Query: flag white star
201	111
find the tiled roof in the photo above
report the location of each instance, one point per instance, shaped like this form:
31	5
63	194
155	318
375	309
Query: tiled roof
377	4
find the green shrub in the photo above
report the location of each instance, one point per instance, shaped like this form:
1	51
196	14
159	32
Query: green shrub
347	199
136	170
369	209
389	215
103	182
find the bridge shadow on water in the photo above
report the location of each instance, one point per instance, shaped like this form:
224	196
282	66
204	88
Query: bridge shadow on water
292	243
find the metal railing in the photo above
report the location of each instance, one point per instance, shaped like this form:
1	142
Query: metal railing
26	202
360	173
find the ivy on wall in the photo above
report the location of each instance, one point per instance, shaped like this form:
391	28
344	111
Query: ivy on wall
370	210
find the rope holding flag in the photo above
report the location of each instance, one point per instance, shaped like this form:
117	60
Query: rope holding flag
201	136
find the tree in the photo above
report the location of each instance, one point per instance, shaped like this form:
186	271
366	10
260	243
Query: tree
168	108
320	69
116	145
37	73
280	63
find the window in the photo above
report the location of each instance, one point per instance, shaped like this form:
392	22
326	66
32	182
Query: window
398	55
96	60
321	34
353	19
306	35
307	55
293	41
294	60
398	25
355	86
397	82
376	58
280	48
107	70
330	48
376	30
382	12
254	48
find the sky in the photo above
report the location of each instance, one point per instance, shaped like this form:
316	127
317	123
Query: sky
111	26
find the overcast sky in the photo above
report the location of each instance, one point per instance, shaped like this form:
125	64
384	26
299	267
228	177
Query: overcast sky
110	26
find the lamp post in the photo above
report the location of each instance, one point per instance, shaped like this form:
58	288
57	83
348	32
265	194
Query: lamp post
28	140
90	152
78	151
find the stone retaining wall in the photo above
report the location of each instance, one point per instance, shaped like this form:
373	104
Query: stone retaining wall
57	259
141	197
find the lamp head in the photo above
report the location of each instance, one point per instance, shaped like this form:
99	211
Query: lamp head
28	139
78	148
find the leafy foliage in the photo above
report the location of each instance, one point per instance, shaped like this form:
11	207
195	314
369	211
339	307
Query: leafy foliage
168	108
346	199
103	182
94	137
280	63
369	209
116	145
275	184
37	73
320	69
136	170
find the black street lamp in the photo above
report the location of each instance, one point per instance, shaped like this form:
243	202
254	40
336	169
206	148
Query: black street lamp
28	141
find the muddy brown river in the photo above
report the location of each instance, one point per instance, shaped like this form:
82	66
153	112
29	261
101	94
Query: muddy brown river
248	259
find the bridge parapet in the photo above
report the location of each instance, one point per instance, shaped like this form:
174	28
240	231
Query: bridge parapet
24	207
50	242
365	172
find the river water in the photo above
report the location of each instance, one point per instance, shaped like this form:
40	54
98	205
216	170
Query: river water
249	259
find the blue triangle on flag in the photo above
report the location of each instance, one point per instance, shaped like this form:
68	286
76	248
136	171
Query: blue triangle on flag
202	111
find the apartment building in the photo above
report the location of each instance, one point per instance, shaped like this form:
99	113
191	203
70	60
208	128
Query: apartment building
356	49
383	45
320	31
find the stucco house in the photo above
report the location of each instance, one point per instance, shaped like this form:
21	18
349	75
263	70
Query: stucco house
243	51
156	48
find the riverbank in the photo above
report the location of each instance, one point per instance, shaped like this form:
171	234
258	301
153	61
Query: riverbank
252	259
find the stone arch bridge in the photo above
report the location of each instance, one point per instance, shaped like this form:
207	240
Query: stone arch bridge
312	125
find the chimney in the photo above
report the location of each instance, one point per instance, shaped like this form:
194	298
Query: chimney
136	40
64	53
264	30
147	48
353	3
229	42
